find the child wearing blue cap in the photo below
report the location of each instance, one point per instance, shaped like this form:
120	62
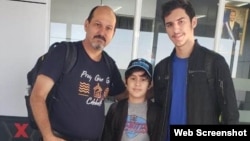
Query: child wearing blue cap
136	117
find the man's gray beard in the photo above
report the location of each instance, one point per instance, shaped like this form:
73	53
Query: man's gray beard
97	46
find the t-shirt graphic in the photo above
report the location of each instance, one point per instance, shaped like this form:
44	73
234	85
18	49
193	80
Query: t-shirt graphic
94	86
135	125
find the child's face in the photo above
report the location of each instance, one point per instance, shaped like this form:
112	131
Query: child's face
137	86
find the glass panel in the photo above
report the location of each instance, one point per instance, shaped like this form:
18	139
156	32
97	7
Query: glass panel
77	33
67	18
57	32
123	39
120	47
146	35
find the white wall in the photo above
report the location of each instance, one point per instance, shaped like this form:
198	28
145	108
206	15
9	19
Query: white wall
24	33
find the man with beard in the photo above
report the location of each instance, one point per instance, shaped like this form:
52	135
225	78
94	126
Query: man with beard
77	113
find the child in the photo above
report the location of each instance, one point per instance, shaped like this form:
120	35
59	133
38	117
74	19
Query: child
136	117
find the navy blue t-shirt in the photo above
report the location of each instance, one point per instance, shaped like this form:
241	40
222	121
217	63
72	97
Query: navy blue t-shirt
79	109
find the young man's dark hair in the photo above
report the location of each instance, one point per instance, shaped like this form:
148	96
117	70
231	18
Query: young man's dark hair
167	8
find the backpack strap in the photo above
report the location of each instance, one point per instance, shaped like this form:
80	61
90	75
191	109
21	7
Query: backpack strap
109	61
69	62
111	67
213	83
208	66
71	56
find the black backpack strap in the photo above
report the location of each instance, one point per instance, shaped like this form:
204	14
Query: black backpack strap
208	66
69	62
213	83
71	56
109	61
209	70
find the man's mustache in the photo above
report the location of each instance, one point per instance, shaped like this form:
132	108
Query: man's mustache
100	37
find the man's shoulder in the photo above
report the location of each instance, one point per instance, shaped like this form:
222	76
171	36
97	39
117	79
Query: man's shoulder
161	68
211	56
107	56
162	62
206	51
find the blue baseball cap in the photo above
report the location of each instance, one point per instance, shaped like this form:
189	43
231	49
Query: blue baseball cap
141	63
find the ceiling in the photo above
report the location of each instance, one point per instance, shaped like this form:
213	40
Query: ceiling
127	7
64	9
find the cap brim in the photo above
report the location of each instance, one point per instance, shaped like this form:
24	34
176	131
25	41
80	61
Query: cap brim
134	66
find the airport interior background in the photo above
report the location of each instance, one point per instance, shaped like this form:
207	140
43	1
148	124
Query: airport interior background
140	33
